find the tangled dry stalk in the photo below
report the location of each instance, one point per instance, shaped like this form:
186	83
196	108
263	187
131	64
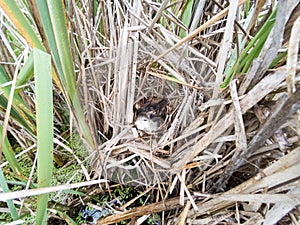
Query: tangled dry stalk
228	154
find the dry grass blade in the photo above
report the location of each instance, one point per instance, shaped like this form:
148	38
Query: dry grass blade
39	191
8	108
292	57
268	84
277	174
223	54
280	209
241	139
258	8
285	109
183	216
172	79
143	210
289	199
195	32
158	15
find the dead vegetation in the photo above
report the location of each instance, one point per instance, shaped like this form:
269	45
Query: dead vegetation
229	155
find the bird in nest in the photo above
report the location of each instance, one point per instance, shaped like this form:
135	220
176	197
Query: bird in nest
150	115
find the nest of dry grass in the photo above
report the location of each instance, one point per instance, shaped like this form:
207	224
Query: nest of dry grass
229	155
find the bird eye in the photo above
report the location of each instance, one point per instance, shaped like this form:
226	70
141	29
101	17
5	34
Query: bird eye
151	116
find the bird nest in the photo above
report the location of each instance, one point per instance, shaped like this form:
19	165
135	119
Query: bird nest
134	155
236	139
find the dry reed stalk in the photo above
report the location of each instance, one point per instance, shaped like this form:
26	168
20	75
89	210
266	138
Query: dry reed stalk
199	153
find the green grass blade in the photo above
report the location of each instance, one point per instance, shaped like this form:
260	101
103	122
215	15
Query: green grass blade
11	206
10	155
186	17
44	11
252	50
14	13
54	25
26	73
44	116
247	8
64	216
53	19
19	111
280	57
